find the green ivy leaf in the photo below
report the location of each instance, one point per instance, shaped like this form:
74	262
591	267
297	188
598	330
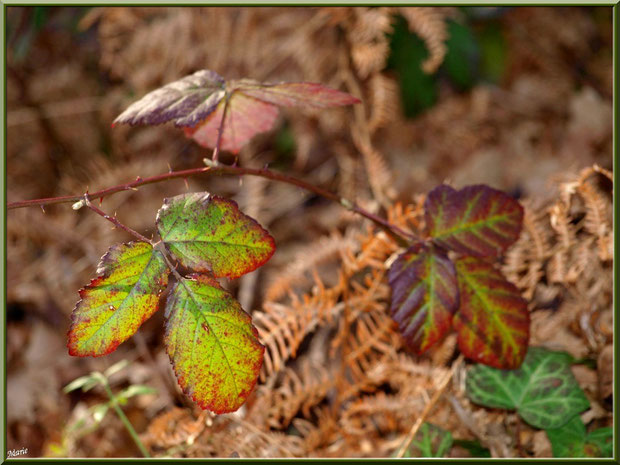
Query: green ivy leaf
430	441
115	304
209	233
571	440
197	102
424	295
543	391
476	220
493	320
212	344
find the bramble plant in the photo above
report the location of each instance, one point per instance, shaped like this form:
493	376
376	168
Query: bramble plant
430	291
212	344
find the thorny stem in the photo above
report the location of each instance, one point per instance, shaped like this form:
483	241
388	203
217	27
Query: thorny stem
217	168
124	419
429	406
114	221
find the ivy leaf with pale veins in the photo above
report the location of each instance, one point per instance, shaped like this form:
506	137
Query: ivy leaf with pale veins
197	102
543	391
424	295
493	320
209	233
476	220
212	344
115	304
186	101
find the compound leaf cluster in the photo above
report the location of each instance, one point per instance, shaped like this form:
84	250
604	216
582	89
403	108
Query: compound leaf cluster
431	292
200	101
211	341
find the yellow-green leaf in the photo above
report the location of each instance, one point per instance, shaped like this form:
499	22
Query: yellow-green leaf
114	305
212	344
209	233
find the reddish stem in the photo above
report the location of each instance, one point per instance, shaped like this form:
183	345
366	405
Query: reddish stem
218	168
113	220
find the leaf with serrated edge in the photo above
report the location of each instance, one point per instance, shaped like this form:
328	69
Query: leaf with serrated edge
543	391
212	344
424	295
209	233
186	101
252	106
476	220
493	320
115	304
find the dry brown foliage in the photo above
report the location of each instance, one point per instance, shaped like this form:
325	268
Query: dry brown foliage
336	381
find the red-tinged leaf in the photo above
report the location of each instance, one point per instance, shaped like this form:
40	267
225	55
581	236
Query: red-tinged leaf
245	117
493	321
186	101
212	344
289	94
209	233
197	102
424	295
476	220
115	304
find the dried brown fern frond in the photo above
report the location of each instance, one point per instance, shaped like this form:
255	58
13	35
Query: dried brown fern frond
283	326
294	393
384	101
367	34
307	257
429	24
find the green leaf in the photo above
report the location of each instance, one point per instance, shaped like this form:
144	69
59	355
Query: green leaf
99	412
493	321
407	53
476	220
430	441
197	102
462	56
212	344
424	295
209	233
136	390
543	391
115	304
571	440
603	438
84	382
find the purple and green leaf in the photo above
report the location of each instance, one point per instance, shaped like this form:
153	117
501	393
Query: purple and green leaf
543	390
197	103
212	344
493	320
476	220
186	101
424	295
115	304
210	234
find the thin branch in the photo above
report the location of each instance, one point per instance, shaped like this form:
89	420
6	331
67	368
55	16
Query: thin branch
114	221
217	168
